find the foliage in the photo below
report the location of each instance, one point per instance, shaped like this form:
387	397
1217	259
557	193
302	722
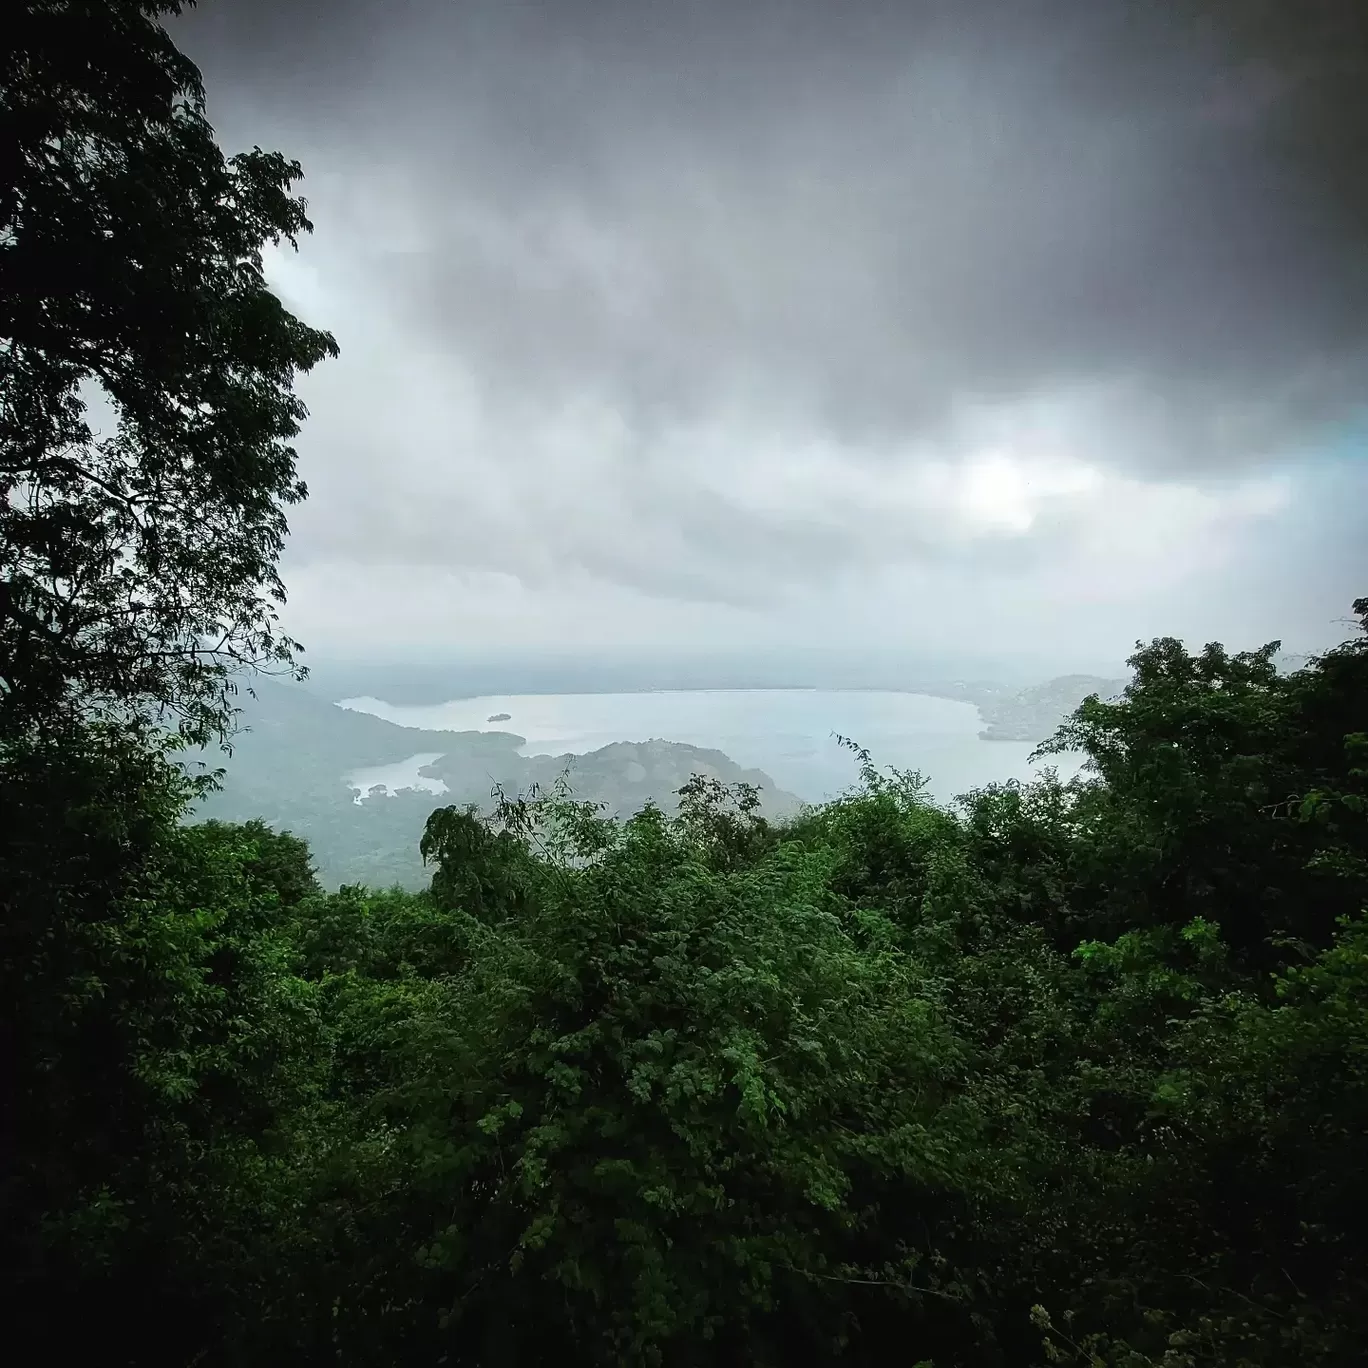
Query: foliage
137	567
155	1036
1070	1073
675	1090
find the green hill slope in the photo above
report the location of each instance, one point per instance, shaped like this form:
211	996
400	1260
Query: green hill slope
288	766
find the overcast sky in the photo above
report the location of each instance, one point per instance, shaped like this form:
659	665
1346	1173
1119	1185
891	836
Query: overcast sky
728	324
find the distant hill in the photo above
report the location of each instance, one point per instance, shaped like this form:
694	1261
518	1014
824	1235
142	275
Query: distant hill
1033	714
288	764
626	775
1011	713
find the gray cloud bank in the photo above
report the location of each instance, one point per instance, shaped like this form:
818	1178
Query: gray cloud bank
667	294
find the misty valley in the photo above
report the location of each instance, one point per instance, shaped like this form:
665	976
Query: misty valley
358	778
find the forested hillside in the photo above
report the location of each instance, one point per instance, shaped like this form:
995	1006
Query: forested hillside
292	752
1067	1074
1073	1074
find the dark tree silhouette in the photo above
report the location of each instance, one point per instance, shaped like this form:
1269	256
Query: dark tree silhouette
137	565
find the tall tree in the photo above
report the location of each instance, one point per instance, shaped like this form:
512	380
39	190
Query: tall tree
137	566
137	570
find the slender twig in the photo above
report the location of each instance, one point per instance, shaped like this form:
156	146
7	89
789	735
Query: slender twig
875	1282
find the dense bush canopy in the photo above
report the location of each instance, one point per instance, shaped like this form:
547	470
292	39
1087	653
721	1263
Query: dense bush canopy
1070	1070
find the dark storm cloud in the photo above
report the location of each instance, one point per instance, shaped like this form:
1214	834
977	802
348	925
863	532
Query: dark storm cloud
851	217
749	321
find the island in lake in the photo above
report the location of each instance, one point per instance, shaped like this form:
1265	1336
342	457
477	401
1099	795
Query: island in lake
499	717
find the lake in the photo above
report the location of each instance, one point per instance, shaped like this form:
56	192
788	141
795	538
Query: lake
788	733
403	774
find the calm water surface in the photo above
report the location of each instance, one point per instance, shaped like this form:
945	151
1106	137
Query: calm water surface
400	775
788	733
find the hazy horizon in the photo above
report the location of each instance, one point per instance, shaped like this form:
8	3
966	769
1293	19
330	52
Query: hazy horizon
426	679
423	676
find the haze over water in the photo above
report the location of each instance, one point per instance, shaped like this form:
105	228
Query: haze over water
788	733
